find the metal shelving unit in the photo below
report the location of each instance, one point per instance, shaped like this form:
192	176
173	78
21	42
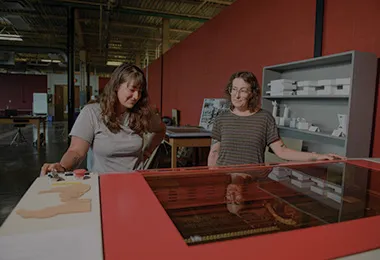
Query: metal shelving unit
322	110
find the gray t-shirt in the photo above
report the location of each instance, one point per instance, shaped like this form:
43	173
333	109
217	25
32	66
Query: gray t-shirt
120	152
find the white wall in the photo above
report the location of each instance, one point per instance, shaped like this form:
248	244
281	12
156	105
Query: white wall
61	79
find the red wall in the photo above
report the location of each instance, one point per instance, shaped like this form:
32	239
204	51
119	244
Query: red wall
154	83
249	35
102	83
20	89
245	36
354	25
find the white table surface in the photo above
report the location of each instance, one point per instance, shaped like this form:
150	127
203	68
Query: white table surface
65	236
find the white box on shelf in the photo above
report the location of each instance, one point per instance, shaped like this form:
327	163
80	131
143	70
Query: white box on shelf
319	182
304	91
307	83
281	93
300	176
334	196
277	86
318	190
303	125
301	184
274	177
289	81
326	90
343	81
335	187
342	90
281	172
314	128
327	82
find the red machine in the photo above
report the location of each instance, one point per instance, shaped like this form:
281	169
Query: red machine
317	210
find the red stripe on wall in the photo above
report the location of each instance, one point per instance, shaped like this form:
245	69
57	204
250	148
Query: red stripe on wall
19	89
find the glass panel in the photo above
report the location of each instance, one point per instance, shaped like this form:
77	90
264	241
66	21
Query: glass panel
213	205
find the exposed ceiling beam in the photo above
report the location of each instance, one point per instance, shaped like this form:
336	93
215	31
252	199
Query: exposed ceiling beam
219	2
123	36
29	13
143	26
126	10
113	36
4	12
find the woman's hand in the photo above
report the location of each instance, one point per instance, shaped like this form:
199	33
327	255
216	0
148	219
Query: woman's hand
51	167
330	156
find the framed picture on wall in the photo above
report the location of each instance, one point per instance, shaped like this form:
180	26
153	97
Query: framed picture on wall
211	108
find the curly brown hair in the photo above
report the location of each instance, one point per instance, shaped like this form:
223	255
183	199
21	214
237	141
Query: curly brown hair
140	114
249	78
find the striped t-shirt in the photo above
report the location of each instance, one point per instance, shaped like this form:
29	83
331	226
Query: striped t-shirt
243	139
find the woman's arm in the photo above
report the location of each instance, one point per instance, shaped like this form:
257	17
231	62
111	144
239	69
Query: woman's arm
214	153
75	154
285	153
154	140
155	136
71	159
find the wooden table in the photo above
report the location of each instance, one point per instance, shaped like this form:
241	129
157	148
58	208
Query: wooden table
31	120
65	236
176	142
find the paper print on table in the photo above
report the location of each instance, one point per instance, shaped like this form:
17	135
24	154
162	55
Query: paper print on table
212	107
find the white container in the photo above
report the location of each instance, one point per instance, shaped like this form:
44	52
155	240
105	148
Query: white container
301	184
326	90
281	172
337	189
281	93
307	83
327	82
300	176
319	182
303	125
343	81
343	90
293	123
305	91
318	190
334	196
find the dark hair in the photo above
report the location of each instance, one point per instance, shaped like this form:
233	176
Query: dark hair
250	79
140	114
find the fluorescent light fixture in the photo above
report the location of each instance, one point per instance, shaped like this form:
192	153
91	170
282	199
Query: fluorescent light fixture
10	37
114	63
52	61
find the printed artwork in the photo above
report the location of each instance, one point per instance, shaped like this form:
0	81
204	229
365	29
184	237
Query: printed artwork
212	107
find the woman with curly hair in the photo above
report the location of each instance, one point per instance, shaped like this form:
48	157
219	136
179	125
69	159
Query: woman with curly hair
114	127
240	135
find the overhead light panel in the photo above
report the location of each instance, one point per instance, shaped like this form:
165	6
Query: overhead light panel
10	37
7	36
51	61
114	63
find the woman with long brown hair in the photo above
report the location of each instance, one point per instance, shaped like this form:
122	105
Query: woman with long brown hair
114	127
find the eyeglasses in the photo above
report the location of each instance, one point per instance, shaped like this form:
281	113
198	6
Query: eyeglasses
242	92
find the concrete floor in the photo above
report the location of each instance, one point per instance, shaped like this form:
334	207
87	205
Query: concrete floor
20	165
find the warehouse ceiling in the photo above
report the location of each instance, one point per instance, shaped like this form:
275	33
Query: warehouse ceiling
33	33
